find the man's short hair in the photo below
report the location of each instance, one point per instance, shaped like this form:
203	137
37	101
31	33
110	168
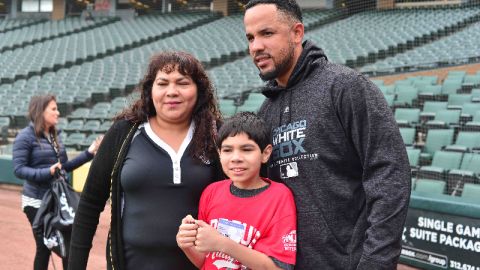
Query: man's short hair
288	7
245	122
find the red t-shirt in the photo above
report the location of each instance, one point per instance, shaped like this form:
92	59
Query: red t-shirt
266	222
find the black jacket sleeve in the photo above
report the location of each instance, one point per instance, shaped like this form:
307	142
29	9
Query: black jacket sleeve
369	123
94	196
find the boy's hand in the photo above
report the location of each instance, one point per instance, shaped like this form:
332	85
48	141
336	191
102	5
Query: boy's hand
187	232
208	238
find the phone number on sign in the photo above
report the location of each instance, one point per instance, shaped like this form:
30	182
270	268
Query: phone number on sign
462	266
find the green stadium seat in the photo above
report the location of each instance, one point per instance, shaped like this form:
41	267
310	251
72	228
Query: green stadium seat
406	96
4	125
469	110
408	136
430	108
456	101
442	162
227	107
436	140
445	119
74	126
465	142
468	172
428	186
91	126
407	117
474	125
471	191
79	113
390	100
74	140
105	126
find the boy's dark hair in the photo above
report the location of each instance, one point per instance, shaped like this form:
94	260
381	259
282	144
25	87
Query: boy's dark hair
248	123
288	7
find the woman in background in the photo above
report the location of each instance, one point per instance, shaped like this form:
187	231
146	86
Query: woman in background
37	152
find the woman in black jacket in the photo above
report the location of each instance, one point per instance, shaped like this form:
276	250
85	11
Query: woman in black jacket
154	162
37	152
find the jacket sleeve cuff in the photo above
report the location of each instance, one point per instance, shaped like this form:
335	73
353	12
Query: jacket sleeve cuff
89	155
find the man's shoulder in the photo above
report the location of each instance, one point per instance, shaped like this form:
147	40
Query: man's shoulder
338	71
341	77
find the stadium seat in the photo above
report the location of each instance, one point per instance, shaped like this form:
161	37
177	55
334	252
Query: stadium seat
436	140
430	108
445	119
105	126
413	158
406	96
469	110
74	126
442	162
471	191
465	142
408	136
474	125
456	101
469	172
4	125
428	186
407	117
227	107
91	126
75	140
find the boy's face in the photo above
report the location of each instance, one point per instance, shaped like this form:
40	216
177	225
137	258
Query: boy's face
241	160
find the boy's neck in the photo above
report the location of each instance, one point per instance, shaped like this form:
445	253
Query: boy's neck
250	192
254	184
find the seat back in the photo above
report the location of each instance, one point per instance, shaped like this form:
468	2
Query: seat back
471	191
447	160
436	139
430	186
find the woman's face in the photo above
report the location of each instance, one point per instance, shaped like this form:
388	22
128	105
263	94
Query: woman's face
174	96
51	114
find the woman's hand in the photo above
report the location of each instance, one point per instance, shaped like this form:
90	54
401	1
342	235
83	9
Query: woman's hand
54	167
187	232
93	148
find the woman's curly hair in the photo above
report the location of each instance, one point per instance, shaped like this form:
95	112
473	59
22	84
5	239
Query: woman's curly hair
205	112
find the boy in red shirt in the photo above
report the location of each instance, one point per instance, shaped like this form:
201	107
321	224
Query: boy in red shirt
246	221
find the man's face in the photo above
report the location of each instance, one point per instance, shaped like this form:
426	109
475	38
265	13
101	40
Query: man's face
270	41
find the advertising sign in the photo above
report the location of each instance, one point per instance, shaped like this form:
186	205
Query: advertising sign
441	241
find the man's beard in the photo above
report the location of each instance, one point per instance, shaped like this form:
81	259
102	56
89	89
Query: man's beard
279	68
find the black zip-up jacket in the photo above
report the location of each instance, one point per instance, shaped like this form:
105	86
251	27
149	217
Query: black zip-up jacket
337	146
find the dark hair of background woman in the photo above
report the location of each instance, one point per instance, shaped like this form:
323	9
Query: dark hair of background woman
205	113
37	106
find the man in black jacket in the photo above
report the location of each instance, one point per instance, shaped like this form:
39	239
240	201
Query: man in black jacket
334	133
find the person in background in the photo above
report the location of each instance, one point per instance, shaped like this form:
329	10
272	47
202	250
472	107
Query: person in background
246	221
351	178
37	152
154	163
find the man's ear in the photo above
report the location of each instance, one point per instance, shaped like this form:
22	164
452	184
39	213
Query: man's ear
266	153
298	30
